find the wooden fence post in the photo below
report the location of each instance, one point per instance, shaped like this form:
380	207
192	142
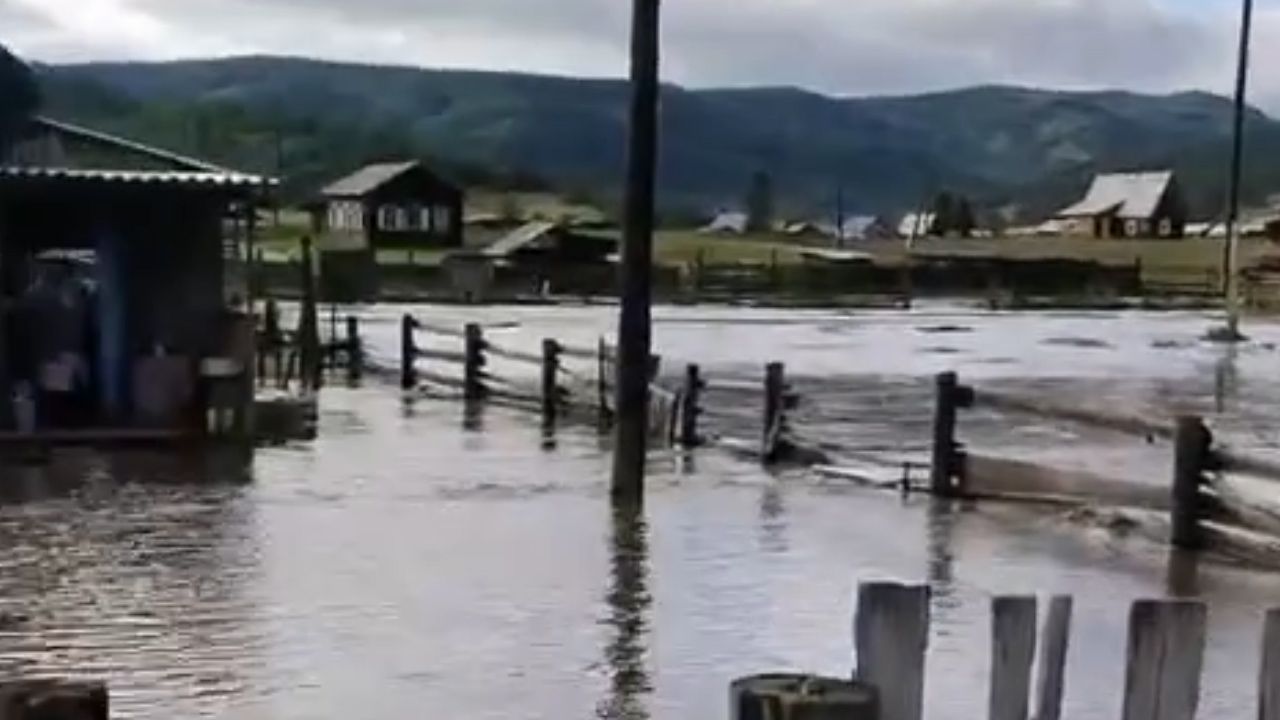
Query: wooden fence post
604	375
945	459
891	633
1013	645
775	383
784	696
691	406
473	368
355	350
1166	652
550	380
1192	442
408	353
1269	673
1053	658
274	338
311	362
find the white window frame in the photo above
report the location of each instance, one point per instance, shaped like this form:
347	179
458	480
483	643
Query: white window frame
442	219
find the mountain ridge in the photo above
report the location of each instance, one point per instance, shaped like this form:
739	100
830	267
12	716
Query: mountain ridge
1005	146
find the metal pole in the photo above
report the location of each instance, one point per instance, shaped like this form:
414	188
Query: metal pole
634	330
1231	263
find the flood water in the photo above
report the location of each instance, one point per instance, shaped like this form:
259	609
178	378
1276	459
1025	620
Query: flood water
417	559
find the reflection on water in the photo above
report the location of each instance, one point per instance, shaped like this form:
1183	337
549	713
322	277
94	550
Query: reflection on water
629	601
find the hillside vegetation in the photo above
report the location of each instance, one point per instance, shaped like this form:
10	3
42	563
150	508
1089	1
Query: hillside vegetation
1001	146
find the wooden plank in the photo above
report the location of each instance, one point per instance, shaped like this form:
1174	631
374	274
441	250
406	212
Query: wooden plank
1131	424
441	330
992	475
1053	659
1269	673
515	355
579	353
442	355
1249	465
1166	653
1013	646
438	379
891	633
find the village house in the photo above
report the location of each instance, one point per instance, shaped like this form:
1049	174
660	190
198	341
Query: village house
729	222
540	257
119	307
400	205
1128	205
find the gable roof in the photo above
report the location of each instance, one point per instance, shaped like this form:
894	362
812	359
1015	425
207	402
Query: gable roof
520	238
83	134
1131	196
367	179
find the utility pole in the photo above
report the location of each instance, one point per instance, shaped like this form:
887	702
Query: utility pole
634	321
1231	260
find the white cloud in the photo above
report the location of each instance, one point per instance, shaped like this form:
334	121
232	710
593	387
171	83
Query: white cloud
835	46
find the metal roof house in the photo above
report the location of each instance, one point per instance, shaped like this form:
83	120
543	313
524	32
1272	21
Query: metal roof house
391	205
1129	205
150	318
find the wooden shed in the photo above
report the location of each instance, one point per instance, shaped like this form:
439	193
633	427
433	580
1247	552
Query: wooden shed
116	300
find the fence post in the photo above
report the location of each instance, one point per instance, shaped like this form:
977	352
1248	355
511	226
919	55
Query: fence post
691	406
775	381
408	353
1192	441
1166	652
891	634
1013	645
603	373
943	467
355	350
550	380
784	696
1053	658
1269	673
274	337
473	381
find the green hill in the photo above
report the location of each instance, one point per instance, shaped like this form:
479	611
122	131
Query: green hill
1002	146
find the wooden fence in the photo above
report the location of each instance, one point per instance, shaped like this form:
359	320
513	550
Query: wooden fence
1162	672
439	357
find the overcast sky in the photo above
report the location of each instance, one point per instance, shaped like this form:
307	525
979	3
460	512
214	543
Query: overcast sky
835	46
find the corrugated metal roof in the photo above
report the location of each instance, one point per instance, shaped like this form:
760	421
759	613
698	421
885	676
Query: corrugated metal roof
519	238
367	179
1132	196
136	177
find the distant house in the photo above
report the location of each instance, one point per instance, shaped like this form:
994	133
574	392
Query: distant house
917	225
859	228
538	256
727	223
392	205
1129	205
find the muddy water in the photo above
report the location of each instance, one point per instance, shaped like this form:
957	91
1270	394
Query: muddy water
418	560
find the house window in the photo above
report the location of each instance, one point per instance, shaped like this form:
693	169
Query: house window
442	219
412	218
424	218
346	216
1132	228
389	217
1166	227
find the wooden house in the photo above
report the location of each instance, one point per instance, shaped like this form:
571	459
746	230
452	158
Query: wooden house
539	257
1129	205
119	319
391	205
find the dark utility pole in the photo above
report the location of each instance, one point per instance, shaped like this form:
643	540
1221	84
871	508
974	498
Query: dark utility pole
1231	263
634	331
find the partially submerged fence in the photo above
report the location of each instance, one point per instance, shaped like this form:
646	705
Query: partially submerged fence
572	382
1162	671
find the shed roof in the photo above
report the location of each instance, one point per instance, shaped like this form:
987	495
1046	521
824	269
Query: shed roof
172	178
178	161
1133	196
368	178
519	238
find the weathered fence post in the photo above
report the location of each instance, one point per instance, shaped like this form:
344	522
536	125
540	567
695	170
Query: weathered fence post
473	387
775	384
1166	652
408	353
785	696
40	699
1192	442
1053	658
1269	673
355	350
550	380
274	336
1013	645
604	374
891	633
945	449
691	406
